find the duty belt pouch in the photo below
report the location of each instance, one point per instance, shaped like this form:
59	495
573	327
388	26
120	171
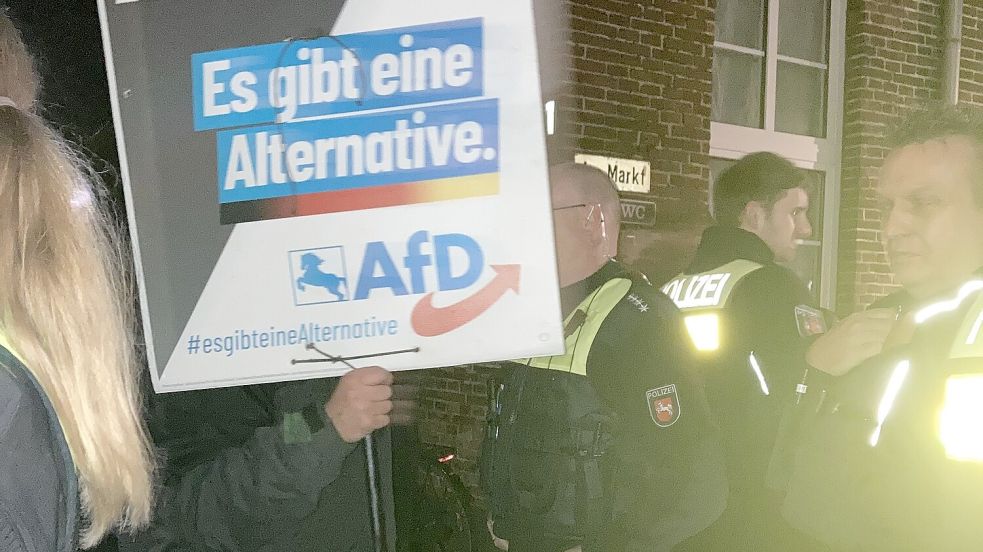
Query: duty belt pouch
543	452
551	432
593	500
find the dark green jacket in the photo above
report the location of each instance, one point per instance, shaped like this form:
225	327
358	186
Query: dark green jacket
259	469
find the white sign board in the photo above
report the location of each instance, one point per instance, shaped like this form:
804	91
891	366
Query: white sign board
629	175
333	179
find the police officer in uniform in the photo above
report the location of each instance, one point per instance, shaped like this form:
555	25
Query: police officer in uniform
608	447
893	458
750	318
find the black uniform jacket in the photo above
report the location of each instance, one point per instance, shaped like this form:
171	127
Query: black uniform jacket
872	472
760	319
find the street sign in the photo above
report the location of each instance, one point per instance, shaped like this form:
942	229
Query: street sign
637	212
629	175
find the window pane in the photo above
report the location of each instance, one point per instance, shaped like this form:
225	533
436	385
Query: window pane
800	106
741	22
736	88
816	185
808	266
803	27
808	258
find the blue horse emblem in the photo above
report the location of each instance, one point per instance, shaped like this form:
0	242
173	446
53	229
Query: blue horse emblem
313	276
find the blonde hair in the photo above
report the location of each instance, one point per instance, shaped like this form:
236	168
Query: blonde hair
67	302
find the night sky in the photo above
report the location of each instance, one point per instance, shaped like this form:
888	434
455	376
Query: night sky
64	37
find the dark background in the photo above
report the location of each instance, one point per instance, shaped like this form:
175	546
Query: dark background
64	37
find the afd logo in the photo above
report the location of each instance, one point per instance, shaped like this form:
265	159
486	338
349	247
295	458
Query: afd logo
425	265
318	275
379	268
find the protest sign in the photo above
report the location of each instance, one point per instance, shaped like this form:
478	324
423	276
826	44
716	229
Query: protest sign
312	179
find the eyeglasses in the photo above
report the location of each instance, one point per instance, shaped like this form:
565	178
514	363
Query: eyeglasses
590	213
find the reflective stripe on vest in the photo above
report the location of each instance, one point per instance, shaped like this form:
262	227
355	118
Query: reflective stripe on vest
708	290
958	427
969	342
595	308
959	430
700	295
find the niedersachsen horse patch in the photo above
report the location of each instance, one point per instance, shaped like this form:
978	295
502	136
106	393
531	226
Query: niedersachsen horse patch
810	321
663	405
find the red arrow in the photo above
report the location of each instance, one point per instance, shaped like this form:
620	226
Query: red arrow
430	321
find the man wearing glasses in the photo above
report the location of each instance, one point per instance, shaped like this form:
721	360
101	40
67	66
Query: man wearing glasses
608	447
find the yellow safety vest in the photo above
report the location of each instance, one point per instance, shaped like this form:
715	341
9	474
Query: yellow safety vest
960	420
701	295
593	310
960	416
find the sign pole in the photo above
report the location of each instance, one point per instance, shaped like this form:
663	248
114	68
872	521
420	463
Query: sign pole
378	528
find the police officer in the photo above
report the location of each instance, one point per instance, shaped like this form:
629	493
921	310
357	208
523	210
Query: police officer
750	318
893	459
608	447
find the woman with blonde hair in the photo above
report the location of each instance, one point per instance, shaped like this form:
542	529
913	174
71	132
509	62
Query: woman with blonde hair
75	460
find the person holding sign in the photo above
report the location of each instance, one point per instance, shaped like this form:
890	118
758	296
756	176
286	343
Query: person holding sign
75	460
271	467
610	446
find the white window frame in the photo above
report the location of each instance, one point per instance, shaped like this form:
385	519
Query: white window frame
816	154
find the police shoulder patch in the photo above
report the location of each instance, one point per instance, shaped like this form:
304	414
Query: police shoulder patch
810	321
663	403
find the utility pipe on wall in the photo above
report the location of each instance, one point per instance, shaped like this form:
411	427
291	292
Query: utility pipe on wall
952	35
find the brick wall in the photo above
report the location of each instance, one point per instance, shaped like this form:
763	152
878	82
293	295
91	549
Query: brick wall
640	88
454	403
893	63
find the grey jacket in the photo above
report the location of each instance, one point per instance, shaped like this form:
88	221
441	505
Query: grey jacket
39	504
